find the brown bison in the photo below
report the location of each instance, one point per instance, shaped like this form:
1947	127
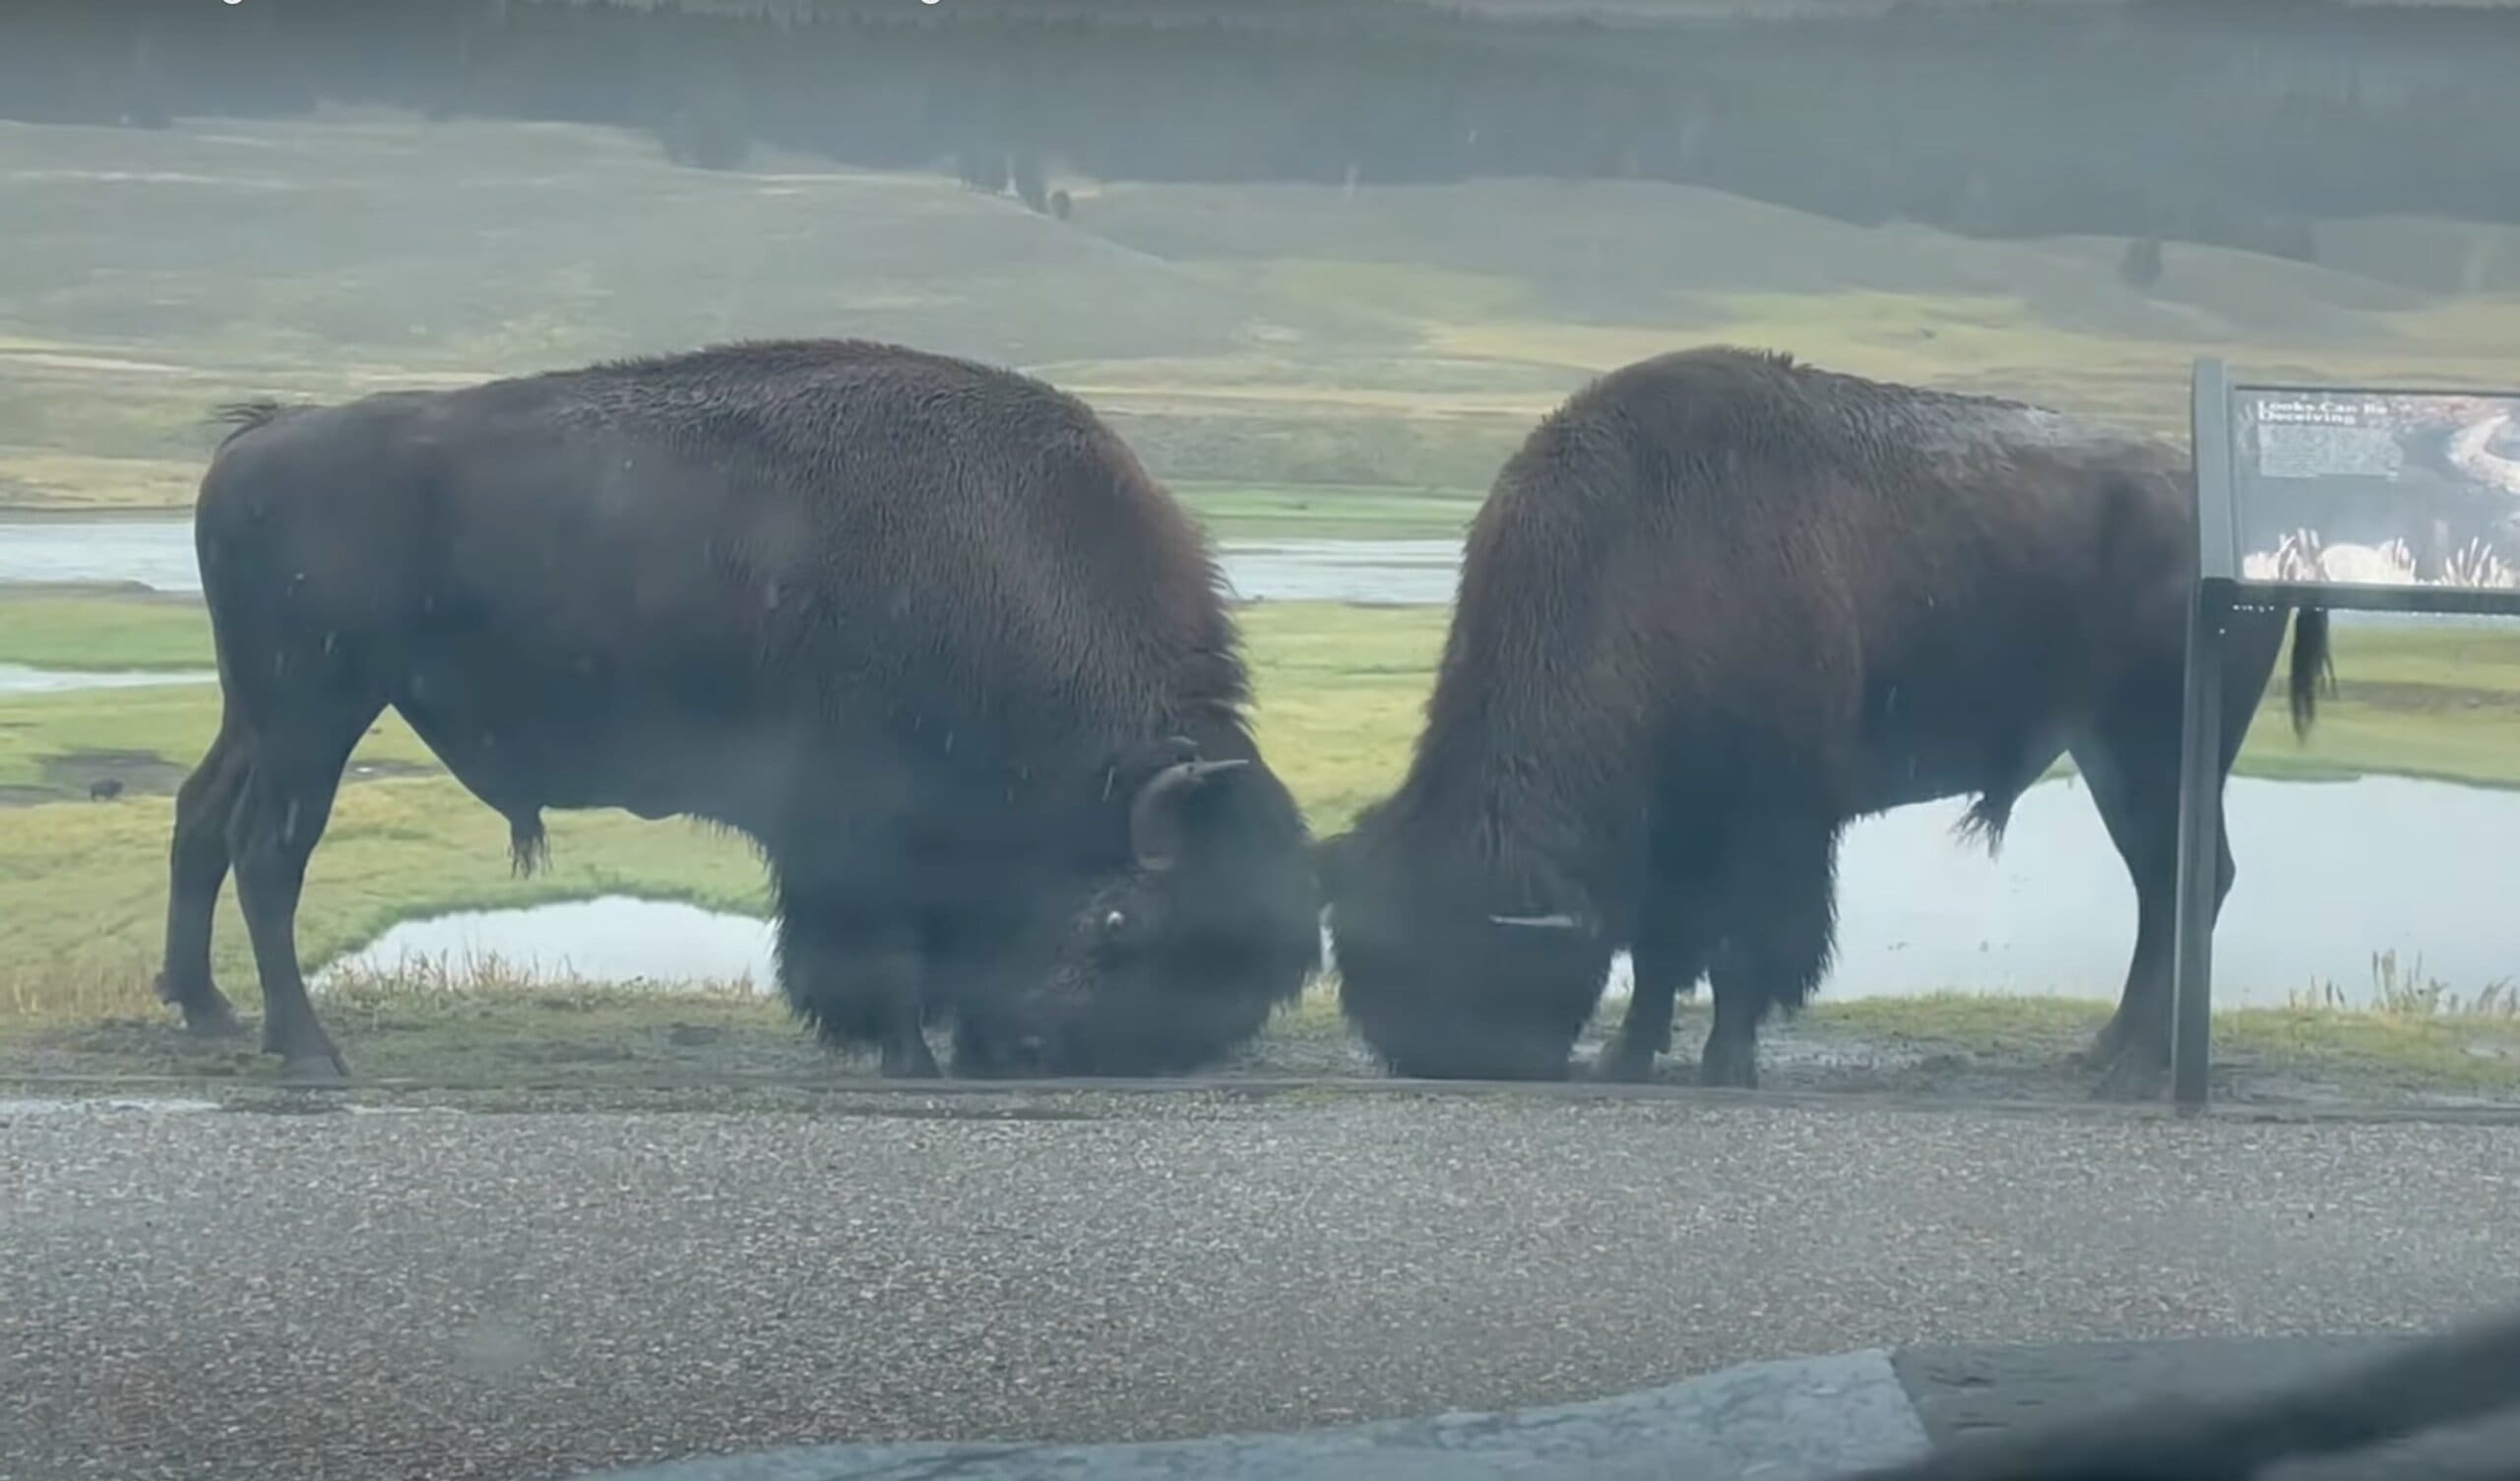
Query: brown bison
1718	605
924	629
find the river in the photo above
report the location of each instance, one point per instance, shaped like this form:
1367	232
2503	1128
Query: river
159	554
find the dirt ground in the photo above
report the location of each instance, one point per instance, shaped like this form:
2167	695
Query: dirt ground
533	1047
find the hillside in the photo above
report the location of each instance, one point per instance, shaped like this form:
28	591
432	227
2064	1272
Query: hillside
1289	334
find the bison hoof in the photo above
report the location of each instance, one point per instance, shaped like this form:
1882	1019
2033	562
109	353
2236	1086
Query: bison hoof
2132	1075
208	1015
1723	1072
2104	1046
315	1070
900	1063
1624	1065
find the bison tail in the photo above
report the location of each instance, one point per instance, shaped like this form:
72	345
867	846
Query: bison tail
1986	821
241	417
2313	667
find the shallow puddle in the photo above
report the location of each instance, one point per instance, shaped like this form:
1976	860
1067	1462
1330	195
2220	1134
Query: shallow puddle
2427	877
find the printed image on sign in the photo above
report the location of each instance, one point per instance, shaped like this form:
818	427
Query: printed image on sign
2352	487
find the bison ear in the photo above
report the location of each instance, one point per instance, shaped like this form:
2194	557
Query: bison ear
1154	814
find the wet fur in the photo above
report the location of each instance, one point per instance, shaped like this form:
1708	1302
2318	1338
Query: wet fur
1718	605
2454	1379
899	618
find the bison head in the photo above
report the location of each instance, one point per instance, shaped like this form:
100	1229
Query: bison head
1444	974
1200	920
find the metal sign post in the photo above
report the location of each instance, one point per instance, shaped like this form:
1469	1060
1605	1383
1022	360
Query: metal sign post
2201	843
2200	800
2321	496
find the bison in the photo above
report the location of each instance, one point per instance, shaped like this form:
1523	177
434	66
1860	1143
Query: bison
926	630
1718	605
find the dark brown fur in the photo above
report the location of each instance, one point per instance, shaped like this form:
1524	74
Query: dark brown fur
1719	605
917	627
2441	1382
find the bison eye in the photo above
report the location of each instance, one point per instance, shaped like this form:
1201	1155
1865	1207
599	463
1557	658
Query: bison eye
1115	921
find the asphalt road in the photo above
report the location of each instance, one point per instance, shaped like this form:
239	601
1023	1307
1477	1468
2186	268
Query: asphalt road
438	1293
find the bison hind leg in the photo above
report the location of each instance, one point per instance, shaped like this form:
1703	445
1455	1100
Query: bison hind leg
197	868
528	847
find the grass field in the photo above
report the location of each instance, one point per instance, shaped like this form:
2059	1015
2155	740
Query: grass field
1364	346
1329	511
82	884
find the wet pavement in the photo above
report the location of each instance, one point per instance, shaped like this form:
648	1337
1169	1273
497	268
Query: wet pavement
459	1295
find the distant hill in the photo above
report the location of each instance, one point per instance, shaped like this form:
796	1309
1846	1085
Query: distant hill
1624	251
1257	333
2241	123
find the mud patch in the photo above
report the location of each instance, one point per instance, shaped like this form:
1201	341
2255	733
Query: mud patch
518	1050
76	774
108	776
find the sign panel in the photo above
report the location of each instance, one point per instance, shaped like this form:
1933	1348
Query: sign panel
2317	498
2387	489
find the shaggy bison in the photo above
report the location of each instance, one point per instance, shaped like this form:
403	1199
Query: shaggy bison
1718	605
923	630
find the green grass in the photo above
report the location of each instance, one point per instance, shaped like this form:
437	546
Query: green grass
1330	511
97	632
2396	1044
489	1028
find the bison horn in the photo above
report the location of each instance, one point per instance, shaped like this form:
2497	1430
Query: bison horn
1558	922
1155	828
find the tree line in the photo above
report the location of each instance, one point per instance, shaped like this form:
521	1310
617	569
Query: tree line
2237	122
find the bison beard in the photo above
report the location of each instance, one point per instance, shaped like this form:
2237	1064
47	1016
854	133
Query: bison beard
1719	605
923	630
2450	1380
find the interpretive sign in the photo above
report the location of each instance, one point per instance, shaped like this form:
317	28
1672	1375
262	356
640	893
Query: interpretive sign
2380	489
2322	497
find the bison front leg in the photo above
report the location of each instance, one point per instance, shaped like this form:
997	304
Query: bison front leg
1668	958
1779	935
858	978
1646	1031
904	1048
